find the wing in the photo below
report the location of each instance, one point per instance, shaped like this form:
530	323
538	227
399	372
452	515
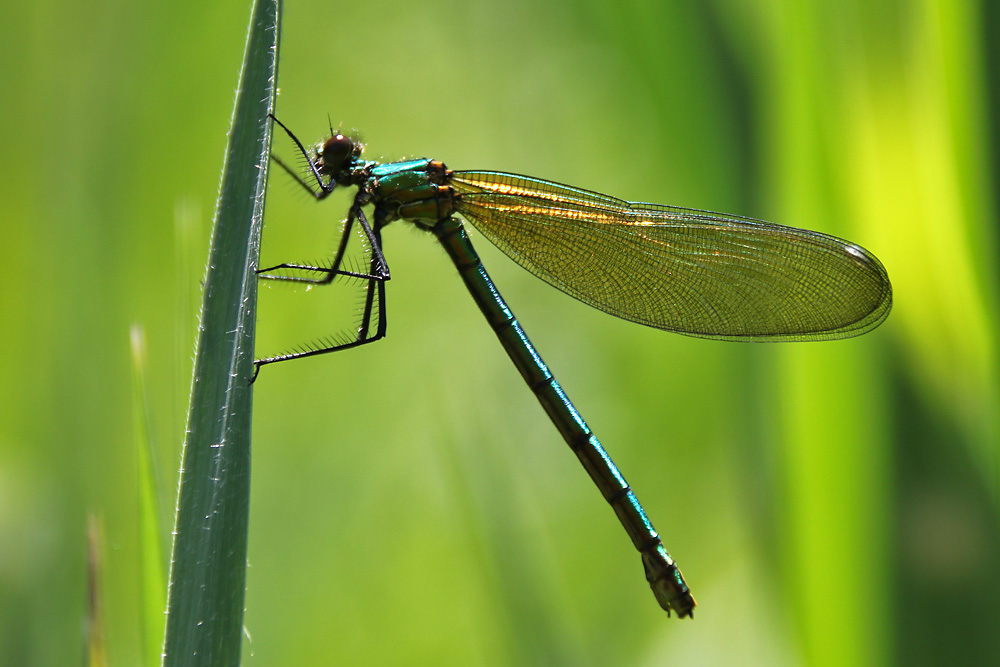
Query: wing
684	270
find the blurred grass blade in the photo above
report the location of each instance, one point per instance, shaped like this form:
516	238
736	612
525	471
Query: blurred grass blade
151	562
96	654
208	565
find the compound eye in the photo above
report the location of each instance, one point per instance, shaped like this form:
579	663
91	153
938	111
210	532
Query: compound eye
337	151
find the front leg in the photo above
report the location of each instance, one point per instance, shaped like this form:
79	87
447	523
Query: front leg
324	187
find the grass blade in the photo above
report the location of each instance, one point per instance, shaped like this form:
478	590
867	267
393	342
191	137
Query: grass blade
208	564
95	649
151	545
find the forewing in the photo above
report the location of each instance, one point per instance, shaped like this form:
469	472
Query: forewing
684	270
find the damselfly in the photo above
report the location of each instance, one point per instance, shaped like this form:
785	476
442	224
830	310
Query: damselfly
684	270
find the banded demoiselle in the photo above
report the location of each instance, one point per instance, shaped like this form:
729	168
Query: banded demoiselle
684	270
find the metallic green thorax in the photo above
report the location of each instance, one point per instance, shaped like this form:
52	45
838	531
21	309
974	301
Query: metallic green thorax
416	191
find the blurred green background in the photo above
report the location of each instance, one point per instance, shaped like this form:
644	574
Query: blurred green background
830	503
